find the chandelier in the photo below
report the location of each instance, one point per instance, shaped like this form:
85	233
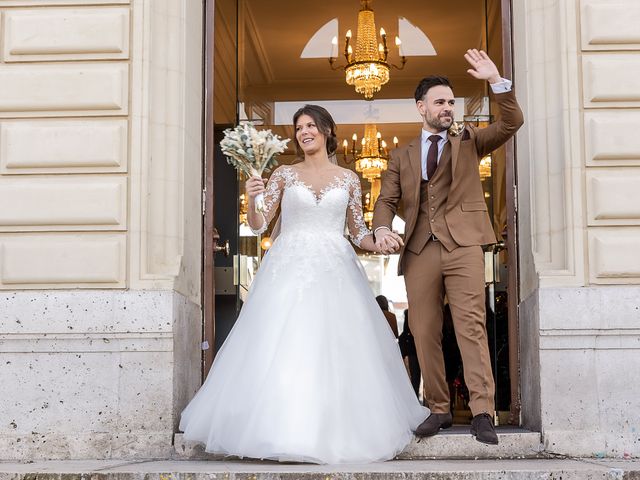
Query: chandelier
368	209
371	160
244	208
368	69
484	167
481	121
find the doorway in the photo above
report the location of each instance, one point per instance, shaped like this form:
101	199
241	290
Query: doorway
266	59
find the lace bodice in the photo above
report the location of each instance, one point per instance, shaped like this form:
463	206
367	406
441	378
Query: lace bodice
309	209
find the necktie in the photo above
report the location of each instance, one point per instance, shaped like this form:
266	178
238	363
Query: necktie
432	156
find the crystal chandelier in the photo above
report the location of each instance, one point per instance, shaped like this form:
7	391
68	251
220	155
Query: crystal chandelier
368	209
244	207
481	121
368	69
484	167
371	160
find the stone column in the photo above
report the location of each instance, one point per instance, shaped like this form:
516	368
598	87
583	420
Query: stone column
577	67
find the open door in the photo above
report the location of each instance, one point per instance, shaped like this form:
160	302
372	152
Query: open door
208	242
219	192
256	70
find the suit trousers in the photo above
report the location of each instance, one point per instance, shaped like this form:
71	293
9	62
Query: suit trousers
460	274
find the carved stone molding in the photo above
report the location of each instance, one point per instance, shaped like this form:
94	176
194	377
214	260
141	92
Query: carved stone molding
56	34
608	25
551	190
165	137
88	145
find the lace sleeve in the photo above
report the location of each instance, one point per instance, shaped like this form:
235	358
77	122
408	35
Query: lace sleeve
272	196
355	219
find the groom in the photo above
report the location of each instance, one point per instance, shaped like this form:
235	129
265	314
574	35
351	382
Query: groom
436	176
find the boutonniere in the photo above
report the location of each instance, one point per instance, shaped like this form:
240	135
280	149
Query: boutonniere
456	129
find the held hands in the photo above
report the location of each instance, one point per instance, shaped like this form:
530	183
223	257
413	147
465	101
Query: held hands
483	66
387	241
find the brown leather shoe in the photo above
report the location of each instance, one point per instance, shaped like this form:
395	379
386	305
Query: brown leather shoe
433	424
482	428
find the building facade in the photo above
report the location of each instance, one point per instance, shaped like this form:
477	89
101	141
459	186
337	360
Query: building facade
101	151
576	65
100	214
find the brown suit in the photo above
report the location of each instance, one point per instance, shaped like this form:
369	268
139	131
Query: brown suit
393	322
450	206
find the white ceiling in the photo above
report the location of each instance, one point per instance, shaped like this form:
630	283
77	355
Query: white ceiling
276	32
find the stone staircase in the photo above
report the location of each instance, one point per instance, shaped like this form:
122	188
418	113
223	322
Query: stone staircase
519	469
454	443
450	455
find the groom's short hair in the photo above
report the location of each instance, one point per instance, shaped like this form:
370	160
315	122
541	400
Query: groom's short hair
428	82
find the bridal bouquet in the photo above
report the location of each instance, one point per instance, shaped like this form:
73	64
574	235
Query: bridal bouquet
252	151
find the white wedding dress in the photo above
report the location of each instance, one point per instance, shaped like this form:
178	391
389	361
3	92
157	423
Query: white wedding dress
311	371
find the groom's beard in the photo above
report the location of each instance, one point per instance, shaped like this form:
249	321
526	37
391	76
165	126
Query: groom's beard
440	123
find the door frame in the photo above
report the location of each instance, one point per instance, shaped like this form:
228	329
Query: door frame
210	236
513	281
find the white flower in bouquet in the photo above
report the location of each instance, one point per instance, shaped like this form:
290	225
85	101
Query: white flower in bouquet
252	151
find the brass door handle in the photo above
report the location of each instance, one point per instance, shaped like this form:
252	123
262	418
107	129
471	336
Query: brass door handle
225	249
498	247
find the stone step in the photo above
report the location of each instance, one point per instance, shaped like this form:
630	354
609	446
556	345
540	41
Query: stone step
523	469
454	443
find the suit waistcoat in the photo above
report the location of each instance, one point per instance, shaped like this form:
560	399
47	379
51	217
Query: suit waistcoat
433	202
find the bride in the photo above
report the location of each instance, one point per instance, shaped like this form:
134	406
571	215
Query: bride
311	371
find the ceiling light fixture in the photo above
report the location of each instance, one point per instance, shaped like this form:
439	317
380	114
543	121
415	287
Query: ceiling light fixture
367	69
370	161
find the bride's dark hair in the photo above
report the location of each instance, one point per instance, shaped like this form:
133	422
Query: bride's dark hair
324	122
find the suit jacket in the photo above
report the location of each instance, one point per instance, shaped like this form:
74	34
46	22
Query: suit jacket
393	322
466	211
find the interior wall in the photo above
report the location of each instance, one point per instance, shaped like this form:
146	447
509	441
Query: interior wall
225	60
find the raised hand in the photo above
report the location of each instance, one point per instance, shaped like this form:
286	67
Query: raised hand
483	67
